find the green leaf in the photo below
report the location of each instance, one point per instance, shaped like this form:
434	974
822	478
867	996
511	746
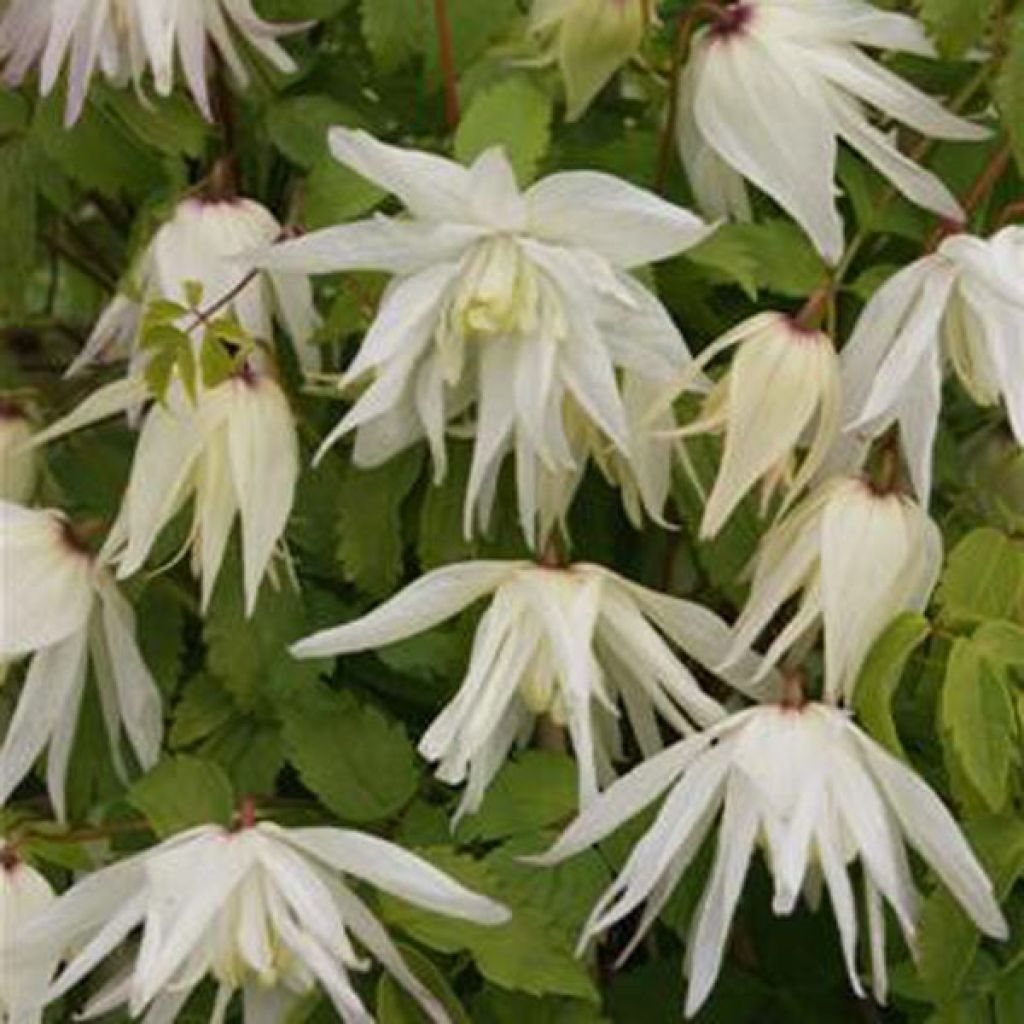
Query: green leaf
531	793
1009	997
956	25
980	718
984	579
494	1006
182	792
371	543
298	126
1010	89
17	223
514	114
393	31
530	954
359	763
204	707
396	1006
335	194
881	674
774	255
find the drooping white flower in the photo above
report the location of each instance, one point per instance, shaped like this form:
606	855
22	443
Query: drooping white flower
233	452
18	461
771	88
123	38
262	909
506	307
858	557
818	794
24	894
783	385
207	242
589	40
581	645
960	307
60	605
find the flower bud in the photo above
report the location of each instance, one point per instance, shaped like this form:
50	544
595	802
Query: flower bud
24	893
18	462
782	387
590	40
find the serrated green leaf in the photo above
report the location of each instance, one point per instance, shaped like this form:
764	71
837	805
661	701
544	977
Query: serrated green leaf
298	126
182	792
393	31
513	114
535	791
358	762
981	721
956	25
881	673
335	194
371	543
204	706
529	954
984	579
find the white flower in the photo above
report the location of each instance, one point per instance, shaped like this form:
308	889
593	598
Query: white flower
860	558
574	644
208	242
783	381
771	88
18	460
506	306
962	306
234	452
122	38
262	909
818	794
589	40
60	605
24	894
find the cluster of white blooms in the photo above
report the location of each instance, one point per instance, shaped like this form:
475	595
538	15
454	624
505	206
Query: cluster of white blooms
514	316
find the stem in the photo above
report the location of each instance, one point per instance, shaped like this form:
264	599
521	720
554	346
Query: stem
247	812
446	53
809	317
793	696
551	736
202	316
986	181
223	181
88	835
83	264
1009	213
684	34
889	475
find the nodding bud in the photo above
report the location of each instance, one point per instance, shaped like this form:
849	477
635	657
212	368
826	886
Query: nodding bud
781	393
590	40
18	459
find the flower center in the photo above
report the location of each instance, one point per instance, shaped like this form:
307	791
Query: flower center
730	21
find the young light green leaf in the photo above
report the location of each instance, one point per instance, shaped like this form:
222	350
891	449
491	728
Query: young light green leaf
984	579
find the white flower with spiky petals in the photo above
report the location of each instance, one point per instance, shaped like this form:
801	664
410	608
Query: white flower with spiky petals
206	242
962	307
59	604
771	88
263	909
819	795
19	463
589	40
783	384
24	894
124	38
234	451
506	306
858	557
576	644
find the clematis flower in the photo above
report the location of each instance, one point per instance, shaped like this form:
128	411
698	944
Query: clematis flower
513	308
782	385
262	909
818	794
574	644
960	307
858	557
60	605
773	85
24	894
124	38
206	242
18	461
233	451
589	40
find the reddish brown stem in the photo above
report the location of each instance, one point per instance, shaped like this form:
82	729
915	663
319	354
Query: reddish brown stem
247	812
985	183
446	52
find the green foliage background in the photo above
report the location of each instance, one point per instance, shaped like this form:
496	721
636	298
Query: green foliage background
335	742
